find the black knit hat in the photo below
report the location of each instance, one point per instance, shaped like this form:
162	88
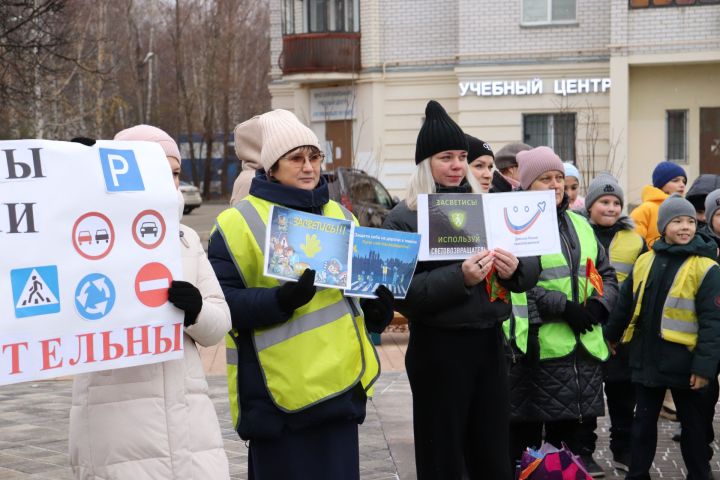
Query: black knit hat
438	133
477	148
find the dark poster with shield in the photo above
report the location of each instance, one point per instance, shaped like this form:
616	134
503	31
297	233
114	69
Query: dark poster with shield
455	225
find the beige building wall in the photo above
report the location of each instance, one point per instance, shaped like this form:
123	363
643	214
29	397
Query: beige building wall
652	91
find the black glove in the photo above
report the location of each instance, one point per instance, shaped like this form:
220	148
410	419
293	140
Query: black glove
294	295
578	317
186	297
378	312
597	311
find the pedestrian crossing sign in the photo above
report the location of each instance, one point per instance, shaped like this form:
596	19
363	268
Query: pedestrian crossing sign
35	291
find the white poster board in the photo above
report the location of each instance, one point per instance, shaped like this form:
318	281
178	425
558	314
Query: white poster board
89	241
454	226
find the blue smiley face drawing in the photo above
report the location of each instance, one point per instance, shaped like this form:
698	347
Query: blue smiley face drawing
525	217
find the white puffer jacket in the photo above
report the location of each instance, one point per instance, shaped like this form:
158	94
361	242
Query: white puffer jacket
155	421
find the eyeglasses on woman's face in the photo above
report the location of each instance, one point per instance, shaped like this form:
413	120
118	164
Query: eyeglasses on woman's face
298	159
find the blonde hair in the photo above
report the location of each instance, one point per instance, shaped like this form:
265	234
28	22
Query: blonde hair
422	181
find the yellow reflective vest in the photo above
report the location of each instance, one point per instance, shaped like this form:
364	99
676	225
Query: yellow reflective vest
679	320
557	339
625	248
323	350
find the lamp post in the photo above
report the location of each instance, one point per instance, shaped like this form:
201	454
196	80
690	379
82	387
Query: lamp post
148	61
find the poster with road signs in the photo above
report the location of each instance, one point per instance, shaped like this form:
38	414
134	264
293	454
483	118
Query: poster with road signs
89	237
454	226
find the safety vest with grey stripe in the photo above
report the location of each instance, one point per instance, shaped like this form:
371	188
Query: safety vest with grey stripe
679	323
274	345
625	248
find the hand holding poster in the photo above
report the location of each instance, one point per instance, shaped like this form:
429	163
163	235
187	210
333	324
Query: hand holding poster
89	237
382	257
298	240
454	226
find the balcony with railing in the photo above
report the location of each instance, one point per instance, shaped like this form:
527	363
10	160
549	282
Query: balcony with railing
321	53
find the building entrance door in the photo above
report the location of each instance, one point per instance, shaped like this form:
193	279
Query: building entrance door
710	140
338	134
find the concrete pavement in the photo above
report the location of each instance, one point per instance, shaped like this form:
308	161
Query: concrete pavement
34	428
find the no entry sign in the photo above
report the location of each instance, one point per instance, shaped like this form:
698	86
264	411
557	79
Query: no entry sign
152	283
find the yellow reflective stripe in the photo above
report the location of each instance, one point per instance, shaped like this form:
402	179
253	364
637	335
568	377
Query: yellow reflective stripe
254	221
520	311
300	324
624	268
231	356
555	273
680	303
684	326
232	380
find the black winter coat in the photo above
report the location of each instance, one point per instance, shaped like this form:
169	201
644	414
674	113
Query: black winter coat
438	296
258	307
570	387
617	368
654	361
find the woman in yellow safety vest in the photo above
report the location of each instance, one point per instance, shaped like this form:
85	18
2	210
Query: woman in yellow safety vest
558	383
300	361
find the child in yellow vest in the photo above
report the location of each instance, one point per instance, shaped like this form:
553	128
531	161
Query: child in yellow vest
669	314
616	232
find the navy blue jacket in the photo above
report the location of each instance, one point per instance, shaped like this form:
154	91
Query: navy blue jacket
258	307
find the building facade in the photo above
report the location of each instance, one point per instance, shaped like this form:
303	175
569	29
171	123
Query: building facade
612	85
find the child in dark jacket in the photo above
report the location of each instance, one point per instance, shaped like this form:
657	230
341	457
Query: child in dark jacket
669	314
616	232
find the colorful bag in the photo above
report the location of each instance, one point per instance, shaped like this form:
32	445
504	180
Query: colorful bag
549	463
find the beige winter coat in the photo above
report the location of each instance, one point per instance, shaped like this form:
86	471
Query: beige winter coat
155	421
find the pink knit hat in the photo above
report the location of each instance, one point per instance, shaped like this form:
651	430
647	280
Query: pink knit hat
535	162
148	133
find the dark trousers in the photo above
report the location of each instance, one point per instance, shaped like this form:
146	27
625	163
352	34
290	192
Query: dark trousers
324	452
460	403
621	407
692	413
572	433
712	392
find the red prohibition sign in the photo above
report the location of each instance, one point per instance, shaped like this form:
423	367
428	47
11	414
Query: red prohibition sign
78	238
152	229
152	283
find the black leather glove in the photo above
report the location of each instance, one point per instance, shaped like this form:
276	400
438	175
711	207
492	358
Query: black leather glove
578	317
294	295
186	297
597	311
379	311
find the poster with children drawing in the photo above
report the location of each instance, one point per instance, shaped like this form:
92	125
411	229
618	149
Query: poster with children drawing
382	257
298	240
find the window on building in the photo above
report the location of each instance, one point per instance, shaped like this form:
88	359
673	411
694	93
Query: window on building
676	135
288	17
548	11
333	15
670	3
555	130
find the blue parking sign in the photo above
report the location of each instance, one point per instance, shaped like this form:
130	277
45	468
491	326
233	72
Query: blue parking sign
121	170
35	291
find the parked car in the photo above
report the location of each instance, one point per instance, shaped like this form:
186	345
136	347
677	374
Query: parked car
362	194
192	196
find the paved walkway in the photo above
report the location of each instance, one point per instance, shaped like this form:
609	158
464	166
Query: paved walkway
34	426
